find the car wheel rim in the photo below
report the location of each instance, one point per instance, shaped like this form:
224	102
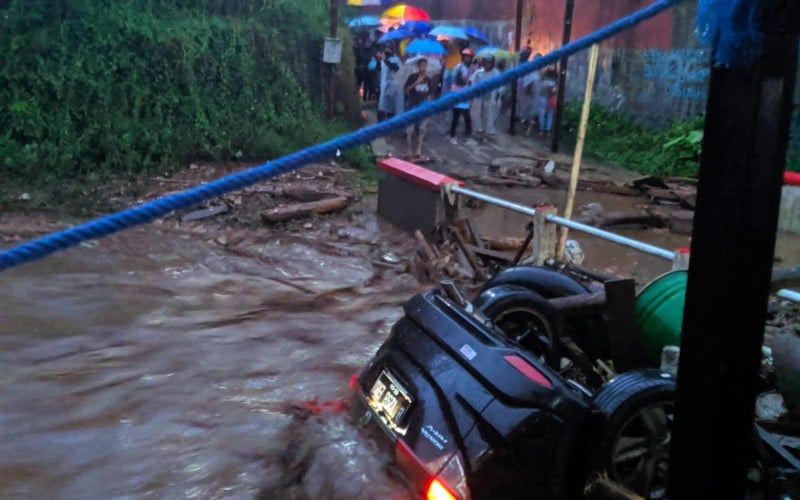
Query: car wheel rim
527	327
640	451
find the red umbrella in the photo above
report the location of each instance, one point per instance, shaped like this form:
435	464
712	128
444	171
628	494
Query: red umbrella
407	13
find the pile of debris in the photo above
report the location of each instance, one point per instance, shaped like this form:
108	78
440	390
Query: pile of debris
460	252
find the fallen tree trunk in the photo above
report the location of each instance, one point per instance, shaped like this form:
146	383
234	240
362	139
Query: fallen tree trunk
304	209
611	219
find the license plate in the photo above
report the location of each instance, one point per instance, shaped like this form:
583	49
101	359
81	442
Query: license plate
389	399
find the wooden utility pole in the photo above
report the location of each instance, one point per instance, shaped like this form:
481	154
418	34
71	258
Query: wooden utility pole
512	128
331	67
562	76
733	245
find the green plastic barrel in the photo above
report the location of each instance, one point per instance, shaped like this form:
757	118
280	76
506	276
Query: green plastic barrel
659	310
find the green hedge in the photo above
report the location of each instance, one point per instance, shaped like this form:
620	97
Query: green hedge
113	86
671	151
616	137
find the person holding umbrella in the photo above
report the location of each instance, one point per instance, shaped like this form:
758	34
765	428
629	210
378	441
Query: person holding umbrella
391	98
418	91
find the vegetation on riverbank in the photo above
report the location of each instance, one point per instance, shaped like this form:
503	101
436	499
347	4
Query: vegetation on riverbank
616	137
672	151
102	89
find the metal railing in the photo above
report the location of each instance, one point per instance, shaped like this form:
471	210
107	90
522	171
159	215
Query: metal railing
785	294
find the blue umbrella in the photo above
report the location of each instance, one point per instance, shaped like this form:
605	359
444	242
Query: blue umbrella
397	34
477	34
450	32
425	47
420	27
364	21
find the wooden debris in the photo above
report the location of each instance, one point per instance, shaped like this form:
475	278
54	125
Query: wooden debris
504	244
473	232
205	213
469	254
611	219
425	249
504	258
304	209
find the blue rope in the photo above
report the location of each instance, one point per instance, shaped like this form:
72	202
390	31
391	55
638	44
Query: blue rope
151	210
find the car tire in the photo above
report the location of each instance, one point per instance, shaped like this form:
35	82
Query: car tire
633	446
590	333
508	306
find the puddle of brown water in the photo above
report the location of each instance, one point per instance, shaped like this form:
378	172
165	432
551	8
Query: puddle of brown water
154	365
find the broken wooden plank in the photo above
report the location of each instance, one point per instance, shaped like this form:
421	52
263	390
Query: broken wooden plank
501	257
473	232
425	249
304	209
504	243
470	255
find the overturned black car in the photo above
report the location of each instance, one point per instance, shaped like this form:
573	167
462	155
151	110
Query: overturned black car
499	397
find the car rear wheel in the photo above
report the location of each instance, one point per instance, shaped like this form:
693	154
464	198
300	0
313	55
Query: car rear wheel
634	446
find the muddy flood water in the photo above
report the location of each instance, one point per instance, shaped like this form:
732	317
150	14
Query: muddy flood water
155	365
161	364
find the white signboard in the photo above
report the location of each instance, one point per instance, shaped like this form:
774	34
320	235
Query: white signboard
332	53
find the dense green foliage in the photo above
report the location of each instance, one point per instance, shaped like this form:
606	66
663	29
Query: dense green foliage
671	151
618	138
100	87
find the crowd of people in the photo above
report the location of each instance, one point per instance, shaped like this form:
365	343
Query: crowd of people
377	67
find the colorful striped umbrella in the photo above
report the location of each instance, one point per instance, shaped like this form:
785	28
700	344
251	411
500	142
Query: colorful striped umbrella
407	13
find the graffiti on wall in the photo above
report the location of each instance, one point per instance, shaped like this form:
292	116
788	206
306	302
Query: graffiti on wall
682	72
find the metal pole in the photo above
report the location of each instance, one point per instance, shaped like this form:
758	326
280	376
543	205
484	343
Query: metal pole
562	76
733	244
789	295
622	240
512	127
334	32
606	235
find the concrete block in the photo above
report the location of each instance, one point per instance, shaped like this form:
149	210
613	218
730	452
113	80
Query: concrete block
410	196
789	220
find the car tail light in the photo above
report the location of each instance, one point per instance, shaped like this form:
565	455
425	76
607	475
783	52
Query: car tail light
528	370
353	382
437	491
420	474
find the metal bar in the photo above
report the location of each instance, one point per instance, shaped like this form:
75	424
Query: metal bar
621	240
790	295
515	207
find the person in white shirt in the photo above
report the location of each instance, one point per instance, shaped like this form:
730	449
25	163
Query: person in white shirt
485	107
392	98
